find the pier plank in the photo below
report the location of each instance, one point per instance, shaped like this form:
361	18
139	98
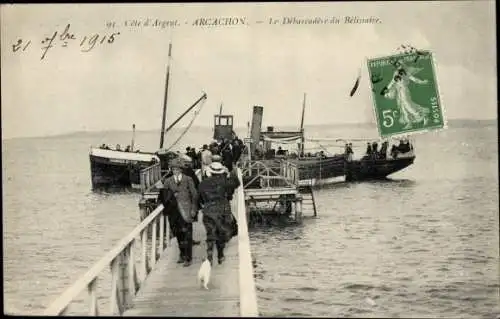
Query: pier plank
173	290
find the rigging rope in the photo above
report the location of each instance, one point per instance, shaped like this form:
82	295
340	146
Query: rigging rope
178	65
188	126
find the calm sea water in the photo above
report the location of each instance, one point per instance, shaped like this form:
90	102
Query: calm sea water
424	244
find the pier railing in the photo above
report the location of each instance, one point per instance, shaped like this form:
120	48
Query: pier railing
271	174
127	272
150	176
248	295
290	171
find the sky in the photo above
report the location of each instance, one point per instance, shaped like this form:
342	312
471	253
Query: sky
115	85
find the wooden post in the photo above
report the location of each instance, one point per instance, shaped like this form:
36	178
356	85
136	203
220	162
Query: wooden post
144	260
132	273
92	289
298	209
124	278
153	245
141	175
143	209
116	302
162	232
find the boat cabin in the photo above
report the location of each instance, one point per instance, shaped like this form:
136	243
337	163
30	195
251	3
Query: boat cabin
223	127
270	141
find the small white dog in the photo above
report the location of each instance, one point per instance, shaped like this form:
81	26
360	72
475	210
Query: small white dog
204	273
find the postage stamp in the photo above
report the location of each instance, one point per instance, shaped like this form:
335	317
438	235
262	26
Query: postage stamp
405	93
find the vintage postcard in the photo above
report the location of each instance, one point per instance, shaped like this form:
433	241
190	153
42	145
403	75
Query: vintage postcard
324	159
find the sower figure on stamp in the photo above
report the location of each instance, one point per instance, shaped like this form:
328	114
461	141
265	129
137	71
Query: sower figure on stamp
217	217
180	199
399	89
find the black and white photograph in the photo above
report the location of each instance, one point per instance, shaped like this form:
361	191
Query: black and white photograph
274	159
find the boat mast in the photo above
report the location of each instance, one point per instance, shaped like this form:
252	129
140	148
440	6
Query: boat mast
164	118
133	138
302	141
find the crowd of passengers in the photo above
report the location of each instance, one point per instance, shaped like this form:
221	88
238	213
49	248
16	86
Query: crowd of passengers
373	152
229	151
118	148
184	195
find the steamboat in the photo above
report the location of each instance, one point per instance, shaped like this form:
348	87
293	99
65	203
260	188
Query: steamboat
322	167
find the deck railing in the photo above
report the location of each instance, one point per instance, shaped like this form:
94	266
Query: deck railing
290	171
150	176
271	174
125	277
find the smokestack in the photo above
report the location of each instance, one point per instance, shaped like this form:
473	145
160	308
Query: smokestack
256	126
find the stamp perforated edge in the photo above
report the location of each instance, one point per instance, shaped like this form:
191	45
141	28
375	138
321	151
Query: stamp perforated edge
439	96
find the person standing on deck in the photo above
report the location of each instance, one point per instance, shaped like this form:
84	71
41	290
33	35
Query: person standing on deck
198	158
218	219
236	150
206	159
227	156
383	150
187	169
368	149
180	199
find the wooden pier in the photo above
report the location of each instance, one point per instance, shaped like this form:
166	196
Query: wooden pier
151	283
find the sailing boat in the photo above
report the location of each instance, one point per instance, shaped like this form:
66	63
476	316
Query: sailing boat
121	169
320	168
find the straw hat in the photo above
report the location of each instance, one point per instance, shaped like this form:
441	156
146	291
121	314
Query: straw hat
216	158
216	168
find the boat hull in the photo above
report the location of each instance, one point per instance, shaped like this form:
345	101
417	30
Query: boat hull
117	170
337	169
375	169
315	171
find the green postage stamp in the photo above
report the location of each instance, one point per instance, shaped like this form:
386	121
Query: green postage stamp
405	93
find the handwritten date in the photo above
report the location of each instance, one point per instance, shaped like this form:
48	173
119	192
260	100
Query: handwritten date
62	39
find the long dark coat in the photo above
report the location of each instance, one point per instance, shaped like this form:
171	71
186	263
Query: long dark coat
186	196
218	219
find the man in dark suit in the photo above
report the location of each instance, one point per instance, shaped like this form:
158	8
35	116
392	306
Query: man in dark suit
180	199
187	169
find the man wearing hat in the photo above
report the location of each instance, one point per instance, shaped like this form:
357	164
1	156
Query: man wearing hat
206	159
187	169
180	199
217	217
